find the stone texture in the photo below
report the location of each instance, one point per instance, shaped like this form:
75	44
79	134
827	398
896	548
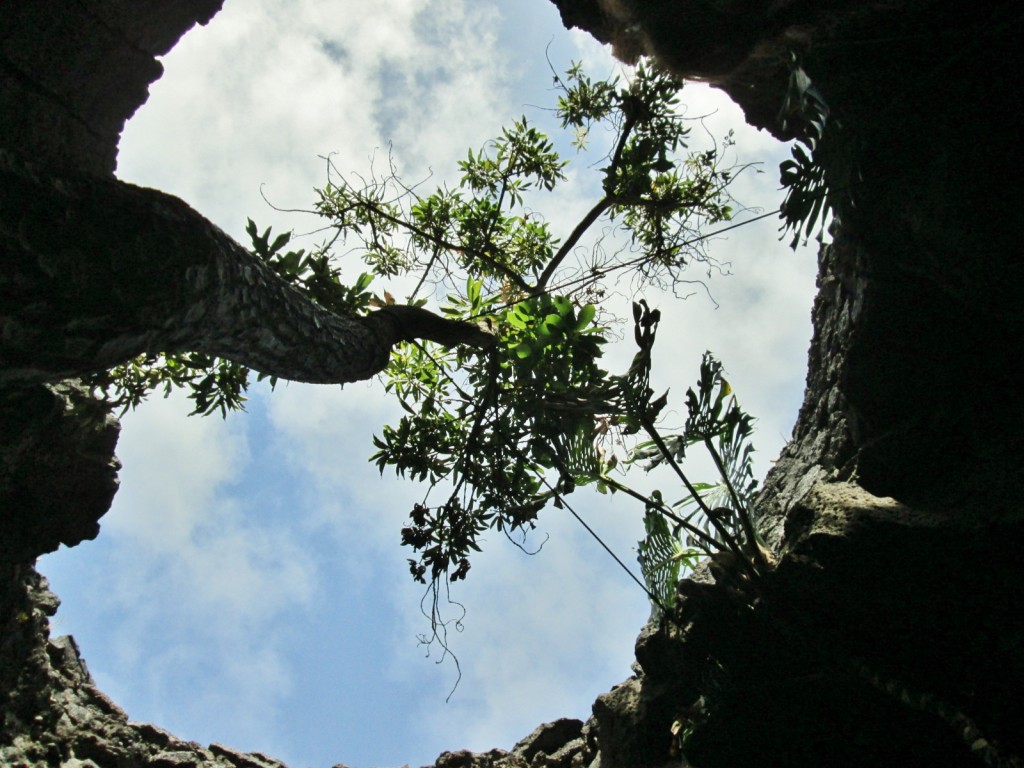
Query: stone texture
549	737
562	743
893	508
58	473
779	673
245	760
53	714
72	73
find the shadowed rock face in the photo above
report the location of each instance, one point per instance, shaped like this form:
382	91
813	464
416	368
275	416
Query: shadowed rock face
58	474
889	631
71	74
884	635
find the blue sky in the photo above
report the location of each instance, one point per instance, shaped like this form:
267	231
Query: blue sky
248	586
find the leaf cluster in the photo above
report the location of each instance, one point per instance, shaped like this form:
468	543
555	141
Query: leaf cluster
807	199
492	435
212	383
659	199
711	516
811	198
315	273
487	226
721	428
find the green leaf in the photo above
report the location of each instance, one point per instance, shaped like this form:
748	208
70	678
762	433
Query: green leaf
662	557
586	316
562	305
279	242
516	321
554	321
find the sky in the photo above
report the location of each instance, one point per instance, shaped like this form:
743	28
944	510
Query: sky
248	586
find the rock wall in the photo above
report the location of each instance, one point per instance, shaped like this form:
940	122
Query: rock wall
884	634
72	73
887	632
54	715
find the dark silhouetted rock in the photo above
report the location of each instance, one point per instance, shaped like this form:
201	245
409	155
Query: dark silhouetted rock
58	473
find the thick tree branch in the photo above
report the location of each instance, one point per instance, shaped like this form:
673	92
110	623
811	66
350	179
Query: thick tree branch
409	323
94	271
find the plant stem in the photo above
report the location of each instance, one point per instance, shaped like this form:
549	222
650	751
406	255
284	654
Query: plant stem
510	274
741	510
593	215
585	223
730	542
707	541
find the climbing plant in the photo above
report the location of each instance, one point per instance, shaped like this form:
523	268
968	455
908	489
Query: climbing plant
711	516
822	141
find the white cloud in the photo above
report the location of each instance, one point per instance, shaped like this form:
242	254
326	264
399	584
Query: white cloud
545	634
200	597
210	454
179	507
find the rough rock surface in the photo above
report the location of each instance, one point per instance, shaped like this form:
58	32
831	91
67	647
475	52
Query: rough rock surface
885	635
889	631
58	473
53	714
72	73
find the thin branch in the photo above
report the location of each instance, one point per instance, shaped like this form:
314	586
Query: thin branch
585	223
599	540
509	273
478	422
708	541
426	271
597	274
593	215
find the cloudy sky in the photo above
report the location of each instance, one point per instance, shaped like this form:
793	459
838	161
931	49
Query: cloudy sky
248	586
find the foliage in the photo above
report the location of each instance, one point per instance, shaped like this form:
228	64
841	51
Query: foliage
808	202
662	558
500	434
525	408
314	273
540	408
213	384
723	429
711	516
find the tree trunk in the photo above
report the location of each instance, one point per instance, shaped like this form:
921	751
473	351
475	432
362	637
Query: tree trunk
94	271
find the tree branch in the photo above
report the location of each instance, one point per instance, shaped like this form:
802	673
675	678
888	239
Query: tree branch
94	272
593	214
410	323
585	223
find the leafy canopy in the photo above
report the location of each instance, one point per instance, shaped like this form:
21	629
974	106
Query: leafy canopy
500	434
